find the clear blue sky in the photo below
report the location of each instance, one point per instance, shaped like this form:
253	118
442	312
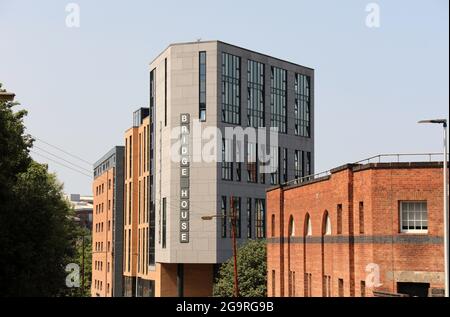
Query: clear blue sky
80	85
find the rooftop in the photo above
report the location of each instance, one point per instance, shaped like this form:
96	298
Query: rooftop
381	161
224	43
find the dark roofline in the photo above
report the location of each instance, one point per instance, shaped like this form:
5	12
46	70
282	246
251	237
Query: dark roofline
108	155
232	45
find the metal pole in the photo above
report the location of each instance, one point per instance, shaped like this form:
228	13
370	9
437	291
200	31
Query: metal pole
233	223
82	265
446	245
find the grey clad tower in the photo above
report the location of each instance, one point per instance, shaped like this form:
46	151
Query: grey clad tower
214	85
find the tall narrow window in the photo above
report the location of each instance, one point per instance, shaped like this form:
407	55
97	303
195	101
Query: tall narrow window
302	107
255	94
285	165
223	208
298	164
363	288
249	218
164	223
236	204
227	160
260	213
165	92
361	217
278	99
202	86
339	218
341	287
308	169
231	86
274	165
252	175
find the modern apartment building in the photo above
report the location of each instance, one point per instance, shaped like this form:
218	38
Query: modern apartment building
107	227
207	86
368	229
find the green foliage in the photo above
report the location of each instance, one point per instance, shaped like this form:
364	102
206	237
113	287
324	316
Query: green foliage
37	233
252	272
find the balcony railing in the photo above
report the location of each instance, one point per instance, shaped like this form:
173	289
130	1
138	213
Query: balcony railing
381	158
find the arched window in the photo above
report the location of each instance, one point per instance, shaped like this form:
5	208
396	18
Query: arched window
291	227
308	225
327	230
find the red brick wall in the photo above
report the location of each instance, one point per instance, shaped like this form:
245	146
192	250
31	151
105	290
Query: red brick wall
380	190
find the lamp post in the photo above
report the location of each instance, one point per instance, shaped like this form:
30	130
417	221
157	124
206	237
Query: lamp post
445	163
233	235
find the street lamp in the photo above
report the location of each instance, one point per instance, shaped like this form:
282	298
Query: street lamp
446	274
233	230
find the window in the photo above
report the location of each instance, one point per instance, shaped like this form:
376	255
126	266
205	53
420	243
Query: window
308	169
260	210
227	160
307	284
326	286
164	223
129	250
252	174
224	216
165	92
339	218
361	217
231	86
278	99
302	107
249	218
298	164
152	90
308	226
236	204
363	288
202	86
291	227
341	287
327	228
238	171
285	165
255	95
413	216
274	165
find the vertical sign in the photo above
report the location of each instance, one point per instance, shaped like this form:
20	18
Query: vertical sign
184	177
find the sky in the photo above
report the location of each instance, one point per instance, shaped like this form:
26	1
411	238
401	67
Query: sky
80	85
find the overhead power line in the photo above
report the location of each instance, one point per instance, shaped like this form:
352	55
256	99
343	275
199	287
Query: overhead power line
63	151
62	159
64	165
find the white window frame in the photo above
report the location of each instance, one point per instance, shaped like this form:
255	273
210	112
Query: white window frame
402	230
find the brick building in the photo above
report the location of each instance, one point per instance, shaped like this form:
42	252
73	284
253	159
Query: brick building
107	227
331	235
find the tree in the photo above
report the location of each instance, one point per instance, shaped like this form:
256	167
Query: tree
252	272
37	232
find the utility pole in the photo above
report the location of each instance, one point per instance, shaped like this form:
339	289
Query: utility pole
82	265
445	209
233	225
